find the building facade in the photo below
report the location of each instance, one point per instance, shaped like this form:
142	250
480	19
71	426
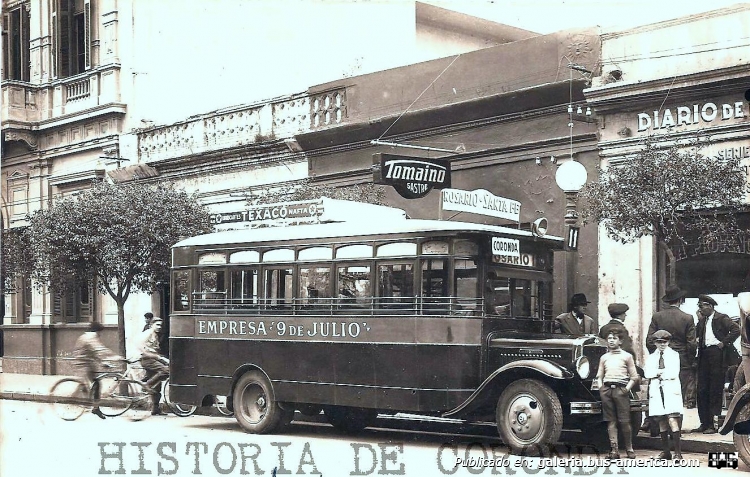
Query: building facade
671	81
84	82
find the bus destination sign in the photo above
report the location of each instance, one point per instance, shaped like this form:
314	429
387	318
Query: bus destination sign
412	177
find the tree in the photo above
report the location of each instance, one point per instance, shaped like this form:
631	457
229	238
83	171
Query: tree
118	235
672	192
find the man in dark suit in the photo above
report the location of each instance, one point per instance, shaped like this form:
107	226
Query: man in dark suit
618	313
682	328
716	335
575	321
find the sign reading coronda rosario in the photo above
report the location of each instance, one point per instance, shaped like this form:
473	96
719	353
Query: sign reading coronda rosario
506	247
481	202
412	177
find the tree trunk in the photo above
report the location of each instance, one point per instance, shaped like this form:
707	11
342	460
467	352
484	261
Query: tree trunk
121	327
671	273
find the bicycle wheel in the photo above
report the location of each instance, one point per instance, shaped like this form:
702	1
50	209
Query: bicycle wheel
114	398
140	401
221	405
70	398
182	410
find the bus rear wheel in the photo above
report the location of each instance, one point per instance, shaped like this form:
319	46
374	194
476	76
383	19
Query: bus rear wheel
255	406
529	416
349	419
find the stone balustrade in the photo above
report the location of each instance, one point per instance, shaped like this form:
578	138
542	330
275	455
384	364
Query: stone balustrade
29	104
243	125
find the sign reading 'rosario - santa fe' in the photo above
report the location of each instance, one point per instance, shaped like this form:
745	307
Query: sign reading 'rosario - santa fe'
412	177
481	202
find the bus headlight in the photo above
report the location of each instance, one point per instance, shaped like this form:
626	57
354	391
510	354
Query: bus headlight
583	367
539	227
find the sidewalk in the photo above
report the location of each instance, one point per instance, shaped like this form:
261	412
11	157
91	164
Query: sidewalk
27	387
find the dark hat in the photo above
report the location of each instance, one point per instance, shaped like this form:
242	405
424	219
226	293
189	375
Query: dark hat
148	315
706	299
578	299
617	309
95	326
662	335
673	293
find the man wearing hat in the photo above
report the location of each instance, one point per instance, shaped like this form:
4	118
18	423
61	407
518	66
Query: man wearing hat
575	321
156	365
716	335
618	313
681	328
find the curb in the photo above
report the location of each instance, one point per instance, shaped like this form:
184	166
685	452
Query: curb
414	424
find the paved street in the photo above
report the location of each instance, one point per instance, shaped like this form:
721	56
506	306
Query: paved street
35	441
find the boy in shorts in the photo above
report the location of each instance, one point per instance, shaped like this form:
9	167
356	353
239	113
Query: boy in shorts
616	377
665	393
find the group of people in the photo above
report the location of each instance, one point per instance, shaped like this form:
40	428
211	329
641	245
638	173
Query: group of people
92	356
686	365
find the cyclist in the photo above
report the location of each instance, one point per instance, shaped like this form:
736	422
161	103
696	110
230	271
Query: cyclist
156	365
90	357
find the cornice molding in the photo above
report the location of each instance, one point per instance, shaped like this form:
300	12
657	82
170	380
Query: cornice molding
695	85
677	21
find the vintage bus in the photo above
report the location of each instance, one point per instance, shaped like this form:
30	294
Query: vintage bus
429	317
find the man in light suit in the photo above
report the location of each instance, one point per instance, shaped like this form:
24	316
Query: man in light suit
681	327
575	322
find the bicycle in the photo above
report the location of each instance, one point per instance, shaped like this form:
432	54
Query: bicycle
185	410
119	393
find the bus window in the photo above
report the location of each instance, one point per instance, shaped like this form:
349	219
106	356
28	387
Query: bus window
315	253
244	288
354	251
512	297
279	255
465	284
398	249
278	288
465	247
181	292
435	297
497	296
212	290
396	285
524	298
315	286
354	285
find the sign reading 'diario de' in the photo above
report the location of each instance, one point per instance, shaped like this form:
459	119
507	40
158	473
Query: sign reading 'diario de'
412	177
693	114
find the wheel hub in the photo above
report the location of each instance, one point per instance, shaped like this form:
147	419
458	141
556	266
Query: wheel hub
525	417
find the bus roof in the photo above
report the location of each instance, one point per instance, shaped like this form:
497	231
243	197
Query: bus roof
350	229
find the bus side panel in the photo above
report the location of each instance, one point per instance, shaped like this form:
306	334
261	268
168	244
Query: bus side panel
383	376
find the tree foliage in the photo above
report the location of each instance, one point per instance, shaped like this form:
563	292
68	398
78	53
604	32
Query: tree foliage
119	235
306	189
668	191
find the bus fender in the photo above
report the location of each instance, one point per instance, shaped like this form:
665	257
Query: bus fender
238	374
543	367
740	400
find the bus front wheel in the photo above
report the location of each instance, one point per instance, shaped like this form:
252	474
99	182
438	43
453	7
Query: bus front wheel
255	406
529	416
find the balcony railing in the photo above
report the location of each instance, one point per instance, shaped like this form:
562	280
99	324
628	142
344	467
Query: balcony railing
78	90
244	125
28	103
